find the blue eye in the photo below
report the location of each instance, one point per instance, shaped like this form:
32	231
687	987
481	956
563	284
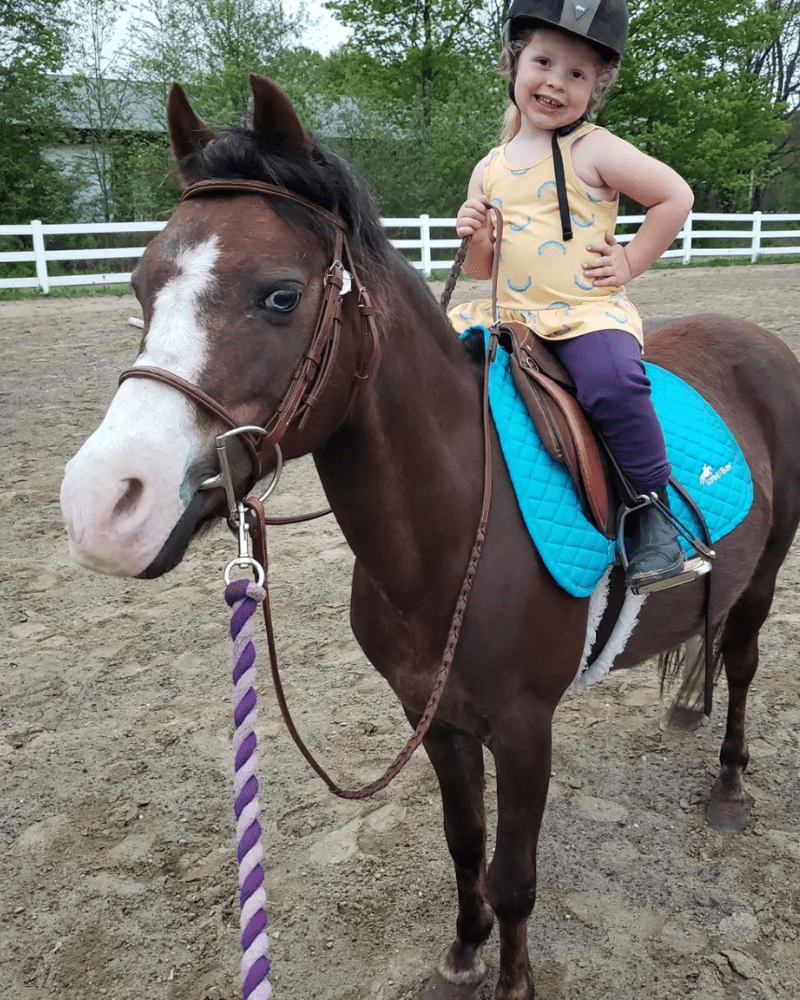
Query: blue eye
282	300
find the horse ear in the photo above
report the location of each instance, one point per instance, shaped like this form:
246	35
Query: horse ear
187	133
274	118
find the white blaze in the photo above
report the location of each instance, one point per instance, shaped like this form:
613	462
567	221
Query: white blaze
124	491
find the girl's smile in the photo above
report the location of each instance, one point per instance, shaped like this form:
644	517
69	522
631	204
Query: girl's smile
555	78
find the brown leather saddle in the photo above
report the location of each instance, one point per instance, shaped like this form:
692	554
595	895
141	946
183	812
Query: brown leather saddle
548	392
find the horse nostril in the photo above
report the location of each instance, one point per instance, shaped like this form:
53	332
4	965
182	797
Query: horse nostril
134	488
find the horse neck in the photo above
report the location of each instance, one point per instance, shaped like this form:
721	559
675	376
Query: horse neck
404	473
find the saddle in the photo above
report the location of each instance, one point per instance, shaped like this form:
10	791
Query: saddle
548	392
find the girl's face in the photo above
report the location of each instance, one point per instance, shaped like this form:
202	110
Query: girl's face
555	77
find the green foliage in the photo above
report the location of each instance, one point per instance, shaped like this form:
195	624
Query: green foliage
418	50
30	47
688	93
413	98
212	46
422	98
143	184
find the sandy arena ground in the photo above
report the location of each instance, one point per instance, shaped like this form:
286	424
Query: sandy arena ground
117	868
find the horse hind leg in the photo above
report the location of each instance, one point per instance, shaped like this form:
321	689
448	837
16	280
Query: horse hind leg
730	803
457	759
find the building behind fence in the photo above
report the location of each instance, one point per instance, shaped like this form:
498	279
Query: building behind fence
46	255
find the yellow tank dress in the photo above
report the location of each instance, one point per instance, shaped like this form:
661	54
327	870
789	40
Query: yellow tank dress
541	282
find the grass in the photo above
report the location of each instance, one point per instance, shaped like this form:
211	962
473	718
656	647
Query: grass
64	292
88	291
728	262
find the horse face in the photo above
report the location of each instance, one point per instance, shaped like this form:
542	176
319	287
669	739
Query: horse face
230	293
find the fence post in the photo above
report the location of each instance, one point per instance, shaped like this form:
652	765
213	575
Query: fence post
687	239
38	249
756	248
425	249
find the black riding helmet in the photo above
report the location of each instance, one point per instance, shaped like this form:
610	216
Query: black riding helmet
603	24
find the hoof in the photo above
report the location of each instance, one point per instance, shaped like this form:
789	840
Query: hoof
439	988
726	812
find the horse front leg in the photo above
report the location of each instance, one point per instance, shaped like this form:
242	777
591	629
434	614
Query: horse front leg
522	753
457	759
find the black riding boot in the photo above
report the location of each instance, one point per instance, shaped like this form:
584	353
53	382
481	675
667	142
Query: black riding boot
657	554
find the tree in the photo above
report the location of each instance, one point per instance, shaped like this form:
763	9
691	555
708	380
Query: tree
212	46
101	98
421	48
690	93
429	101
779	63
31	46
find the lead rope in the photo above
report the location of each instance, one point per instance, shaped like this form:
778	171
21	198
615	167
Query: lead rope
244	597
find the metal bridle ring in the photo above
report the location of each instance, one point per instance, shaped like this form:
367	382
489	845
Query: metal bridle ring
225	478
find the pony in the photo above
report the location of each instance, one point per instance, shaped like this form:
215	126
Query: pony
232	292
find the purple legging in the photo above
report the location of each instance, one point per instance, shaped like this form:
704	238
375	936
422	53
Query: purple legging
614	390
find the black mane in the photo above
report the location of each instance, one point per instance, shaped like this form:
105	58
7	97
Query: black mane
323	178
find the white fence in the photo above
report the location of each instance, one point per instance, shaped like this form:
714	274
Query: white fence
705	235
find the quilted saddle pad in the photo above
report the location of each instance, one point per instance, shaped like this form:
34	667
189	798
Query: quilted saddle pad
705	457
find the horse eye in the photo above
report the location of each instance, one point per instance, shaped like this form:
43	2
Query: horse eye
282	300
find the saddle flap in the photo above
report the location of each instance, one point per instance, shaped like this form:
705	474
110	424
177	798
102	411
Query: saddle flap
542	383
535	349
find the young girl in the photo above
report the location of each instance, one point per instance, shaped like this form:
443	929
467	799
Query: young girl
561	57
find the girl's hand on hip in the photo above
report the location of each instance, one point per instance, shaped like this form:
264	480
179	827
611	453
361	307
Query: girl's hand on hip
472	217
611	267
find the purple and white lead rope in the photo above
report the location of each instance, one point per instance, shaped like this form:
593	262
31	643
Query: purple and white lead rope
244	597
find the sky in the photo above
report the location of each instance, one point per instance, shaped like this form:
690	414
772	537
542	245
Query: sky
328	34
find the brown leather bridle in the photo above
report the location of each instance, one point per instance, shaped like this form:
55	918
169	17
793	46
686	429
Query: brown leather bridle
314	369
305	387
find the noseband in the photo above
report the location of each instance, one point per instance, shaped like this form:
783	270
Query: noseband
315	366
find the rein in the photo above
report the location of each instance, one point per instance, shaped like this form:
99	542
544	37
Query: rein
305	387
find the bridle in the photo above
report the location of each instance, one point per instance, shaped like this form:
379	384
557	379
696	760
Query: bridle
305	387
316	364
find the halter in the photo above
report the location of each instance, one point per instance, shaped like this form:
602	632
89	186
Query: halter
314	369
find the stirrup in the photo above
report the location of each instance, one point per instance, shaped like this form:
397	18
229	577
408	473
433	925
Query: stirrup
692	568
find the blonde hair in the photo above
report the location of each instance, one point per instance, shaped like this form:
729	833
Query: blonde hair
507	66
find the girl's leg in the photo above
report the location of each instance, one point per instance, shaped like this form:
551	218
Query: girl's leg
614	390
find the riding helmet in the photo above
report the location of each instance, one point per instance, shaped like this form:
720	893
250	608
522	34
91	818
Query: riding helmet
601	23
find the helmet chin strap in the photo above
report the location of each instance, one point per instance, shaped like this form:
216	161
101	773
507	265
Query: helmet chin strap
561	184
558	168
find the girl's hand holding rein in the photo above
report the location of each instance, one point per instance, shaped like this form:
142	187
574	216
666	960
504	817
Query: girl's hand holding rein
472	217
473	220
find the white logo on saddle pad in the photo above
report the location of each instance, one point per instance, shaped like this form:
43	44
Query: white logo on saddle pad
709	476
580	10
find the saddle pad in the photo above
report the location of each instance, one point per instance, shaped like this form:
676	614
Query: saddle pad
705	459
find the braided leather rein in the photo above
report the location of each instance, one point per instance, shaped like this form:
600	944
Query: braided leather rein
305	387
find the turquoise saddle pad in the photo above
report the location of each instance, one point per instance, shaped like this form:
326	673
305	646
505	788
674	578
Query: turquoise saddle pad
705	459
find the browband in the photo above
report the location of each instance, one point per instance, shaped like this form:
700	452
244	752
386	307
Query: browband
245	186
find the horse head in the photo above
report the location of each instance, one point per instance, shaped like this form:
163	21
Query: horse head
247	322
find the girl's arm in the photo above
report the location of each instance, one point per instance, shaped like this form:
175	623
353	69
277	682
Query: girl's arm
473	220
666	196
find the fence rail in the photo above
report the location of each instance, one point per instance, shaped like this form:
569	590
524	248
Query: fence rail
422	239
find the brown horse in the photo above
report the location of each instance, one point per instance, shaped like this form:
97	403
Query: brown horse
231	291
